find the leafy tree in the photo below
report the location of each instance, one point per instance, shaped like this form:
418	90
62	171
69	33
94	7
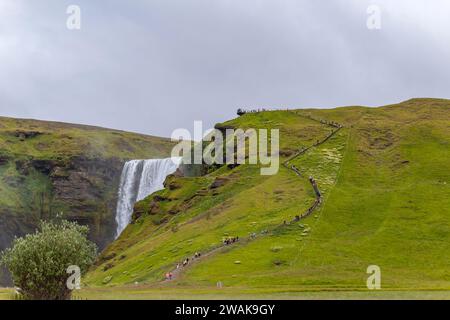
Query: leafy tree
38	262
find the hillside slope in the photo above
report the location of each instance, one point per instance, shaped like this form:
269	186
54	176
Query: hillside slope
47	168
385	181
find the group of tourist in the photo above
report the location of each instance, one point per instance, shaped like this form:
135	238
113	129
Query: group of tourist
169	276
230	240
227	241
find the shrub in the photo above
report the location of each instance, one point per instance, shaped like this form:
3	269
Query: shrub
38	262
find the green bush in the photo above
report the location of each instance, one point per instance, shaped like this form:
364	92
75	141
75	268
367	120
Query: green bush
38	262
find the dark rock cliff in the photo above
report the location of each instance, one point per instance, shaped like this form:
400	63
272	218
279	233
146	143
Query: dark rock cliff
52	168
81	189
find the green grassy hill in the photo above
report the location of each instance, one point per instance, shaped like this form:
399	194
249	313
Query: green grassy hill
47	168
385	179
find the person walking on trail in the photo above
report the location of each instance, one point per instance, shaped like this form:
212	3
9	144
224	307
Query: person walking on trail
170	275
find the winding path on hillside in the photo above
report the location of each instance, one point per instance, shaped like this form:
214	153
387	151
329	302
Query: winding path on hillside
223	247
336	126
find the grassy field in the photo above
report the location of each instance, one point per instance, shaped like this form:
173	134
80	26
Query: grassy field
188	293
6	294
241	294
246	202
56	140
385	178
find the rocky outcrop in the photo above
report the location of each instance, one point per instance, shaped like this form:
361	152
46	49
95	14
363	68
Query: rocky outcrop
3	160
83	189
25	134
218	182
86	190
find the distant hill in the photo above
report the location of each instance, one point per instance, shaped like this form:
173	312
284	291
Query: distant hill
48	167
385	184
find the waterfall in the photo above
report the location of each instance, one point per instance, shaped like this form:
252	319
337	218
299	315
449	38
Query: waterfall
139	179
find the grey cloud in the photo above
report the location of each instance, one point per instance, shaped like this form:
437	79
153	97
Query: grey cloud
153	66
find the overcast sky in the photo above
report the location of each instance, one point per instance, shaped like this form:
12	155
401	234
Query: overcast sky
156	65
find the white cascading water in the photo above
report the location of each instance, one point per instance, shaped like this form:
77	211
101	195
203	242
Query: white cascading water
140	178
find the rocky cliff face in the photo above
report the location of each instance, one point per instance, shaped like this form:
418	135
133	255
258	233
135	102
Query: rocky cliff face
11	225
85	190
48	169
82	189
